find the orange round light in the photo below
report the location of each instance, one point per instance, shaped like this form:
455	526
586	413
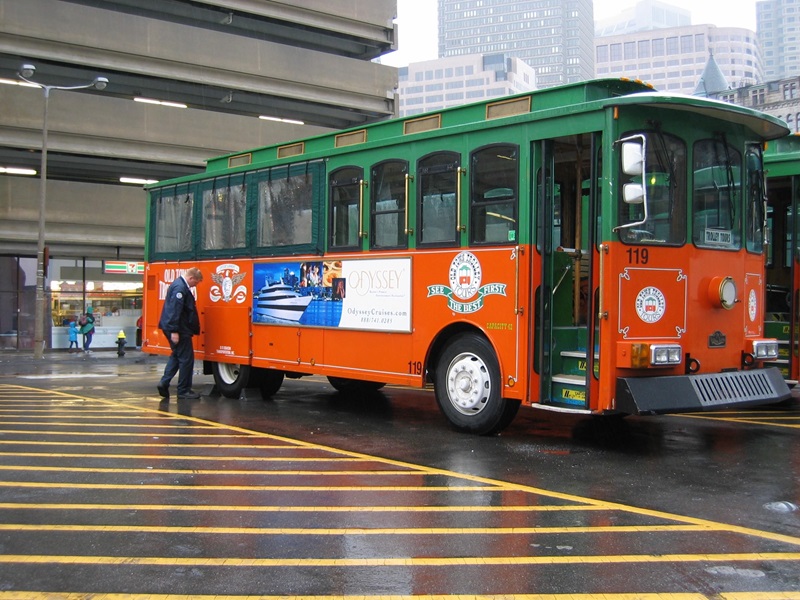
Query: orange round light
722	292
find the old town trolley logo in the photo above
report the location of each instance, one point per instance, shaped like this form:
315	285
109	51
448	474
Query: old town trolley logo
650	304
226	279
465	284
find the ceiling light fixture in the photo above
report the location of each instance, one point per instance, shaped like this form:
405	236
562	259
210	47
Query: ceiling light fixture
160	102
279	120
137	180
17	171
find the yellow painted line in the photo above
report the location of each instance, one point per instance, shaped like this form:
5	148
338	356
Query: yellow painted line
741	418
396	561
46	404
602	596
85	444
295	508
124	434
332	531
755	410
771	424
770	418
100	425
61	411
759	595
332	459
247	488
22	595
497	485
254	472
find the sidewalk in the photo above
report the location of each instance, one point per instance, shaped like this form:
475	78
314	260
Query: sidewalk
22	362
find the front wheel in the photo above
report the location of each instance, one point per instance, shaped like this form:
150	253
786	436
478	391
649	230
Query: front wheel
468	387
230	378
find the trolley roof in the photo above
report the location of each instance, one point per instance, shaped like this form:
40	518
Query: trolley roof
782	157
555	101
761	124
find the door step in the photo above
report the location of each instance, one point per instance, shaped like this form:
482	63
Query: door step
569	390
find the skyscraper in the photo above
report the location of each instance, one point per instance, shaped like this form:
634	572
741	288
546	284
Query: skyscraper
778	29
555	37
675	58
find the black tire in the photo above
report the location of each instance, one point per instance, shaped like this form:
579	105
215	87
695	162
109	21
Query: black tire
230	378
510	411
352	386
269	382
469	389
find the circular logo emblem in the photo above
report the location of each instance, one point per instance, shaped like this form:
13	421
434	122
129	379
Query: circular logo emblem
227	287
650	304
465	275
752	305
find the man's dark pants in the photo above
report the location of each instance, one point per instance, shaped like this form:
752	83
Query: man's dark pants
181	361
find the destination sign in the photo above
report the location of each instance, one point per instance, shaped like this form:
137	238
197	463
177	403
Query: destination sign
719	237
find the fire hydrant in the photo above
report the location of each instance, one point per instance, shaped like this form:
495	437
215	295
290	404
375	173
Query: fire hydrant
121	343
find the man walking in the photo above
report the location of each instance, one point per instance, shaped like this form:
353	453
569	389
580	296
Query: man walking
179	322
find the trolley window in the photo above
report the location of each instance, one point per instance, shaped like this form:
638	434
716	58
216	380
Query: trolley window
174	208
346	201
658	216
716	205
438	188
756	199
388	204
494	195
224	214
285	206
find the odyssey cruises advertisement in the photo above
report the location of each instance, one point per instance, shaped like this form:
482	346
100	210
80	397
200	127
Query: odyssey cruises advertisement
371	294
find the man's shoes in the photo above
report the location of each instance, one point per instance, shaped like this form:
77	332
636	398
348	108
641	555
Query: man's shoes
163	390
190	395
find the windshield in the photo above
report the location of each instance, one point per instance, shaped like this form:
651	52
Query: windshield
716	213
756	199
660	217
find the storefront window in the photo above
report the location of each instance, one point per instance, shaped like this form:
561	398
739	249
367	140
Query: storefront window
112	288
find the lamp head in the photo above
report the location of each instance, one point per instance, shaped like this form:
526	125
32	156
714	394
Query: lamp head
100	83
27	71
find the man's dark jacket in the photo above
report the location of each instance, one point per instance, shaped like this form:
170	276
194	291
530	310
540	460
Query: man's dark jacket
180	312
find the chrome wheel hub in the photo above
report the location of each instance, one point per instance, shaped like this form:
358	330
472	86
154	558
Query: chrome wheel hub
468	384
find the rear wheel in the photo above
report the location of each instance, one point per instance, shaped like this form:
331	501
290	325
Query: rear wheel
350	386
468	387
230	378
269	382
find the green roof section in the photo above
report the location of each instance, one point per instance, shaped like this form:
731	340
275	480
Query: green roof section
782	157
560	97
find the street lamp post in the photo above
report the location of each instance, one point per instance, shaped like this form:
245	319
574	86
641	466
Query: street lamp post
25	73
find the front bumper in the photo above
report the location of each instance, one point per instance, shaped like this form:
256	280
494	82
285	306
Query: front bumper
693	393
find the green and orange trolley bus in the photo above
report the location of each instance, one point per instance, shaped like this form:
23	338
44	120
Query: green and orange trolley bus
595	248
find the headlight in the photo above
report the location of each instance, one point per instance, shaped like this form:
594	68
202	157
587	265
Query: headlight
722	292
765	349
665	354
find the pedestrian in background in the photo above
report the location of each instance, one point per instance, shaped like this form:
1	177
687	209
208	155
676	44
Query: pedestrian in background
73	335
179	322
87	329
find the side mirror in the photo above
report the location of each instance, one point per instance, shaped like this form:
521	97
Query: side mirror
633	193
632	158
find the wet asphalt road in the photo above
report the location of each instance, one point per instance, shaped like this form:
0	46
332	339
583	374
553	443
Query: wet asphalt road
105	490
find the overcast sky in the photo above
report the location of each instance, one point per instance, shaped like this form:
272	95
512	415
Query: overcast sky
416	20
